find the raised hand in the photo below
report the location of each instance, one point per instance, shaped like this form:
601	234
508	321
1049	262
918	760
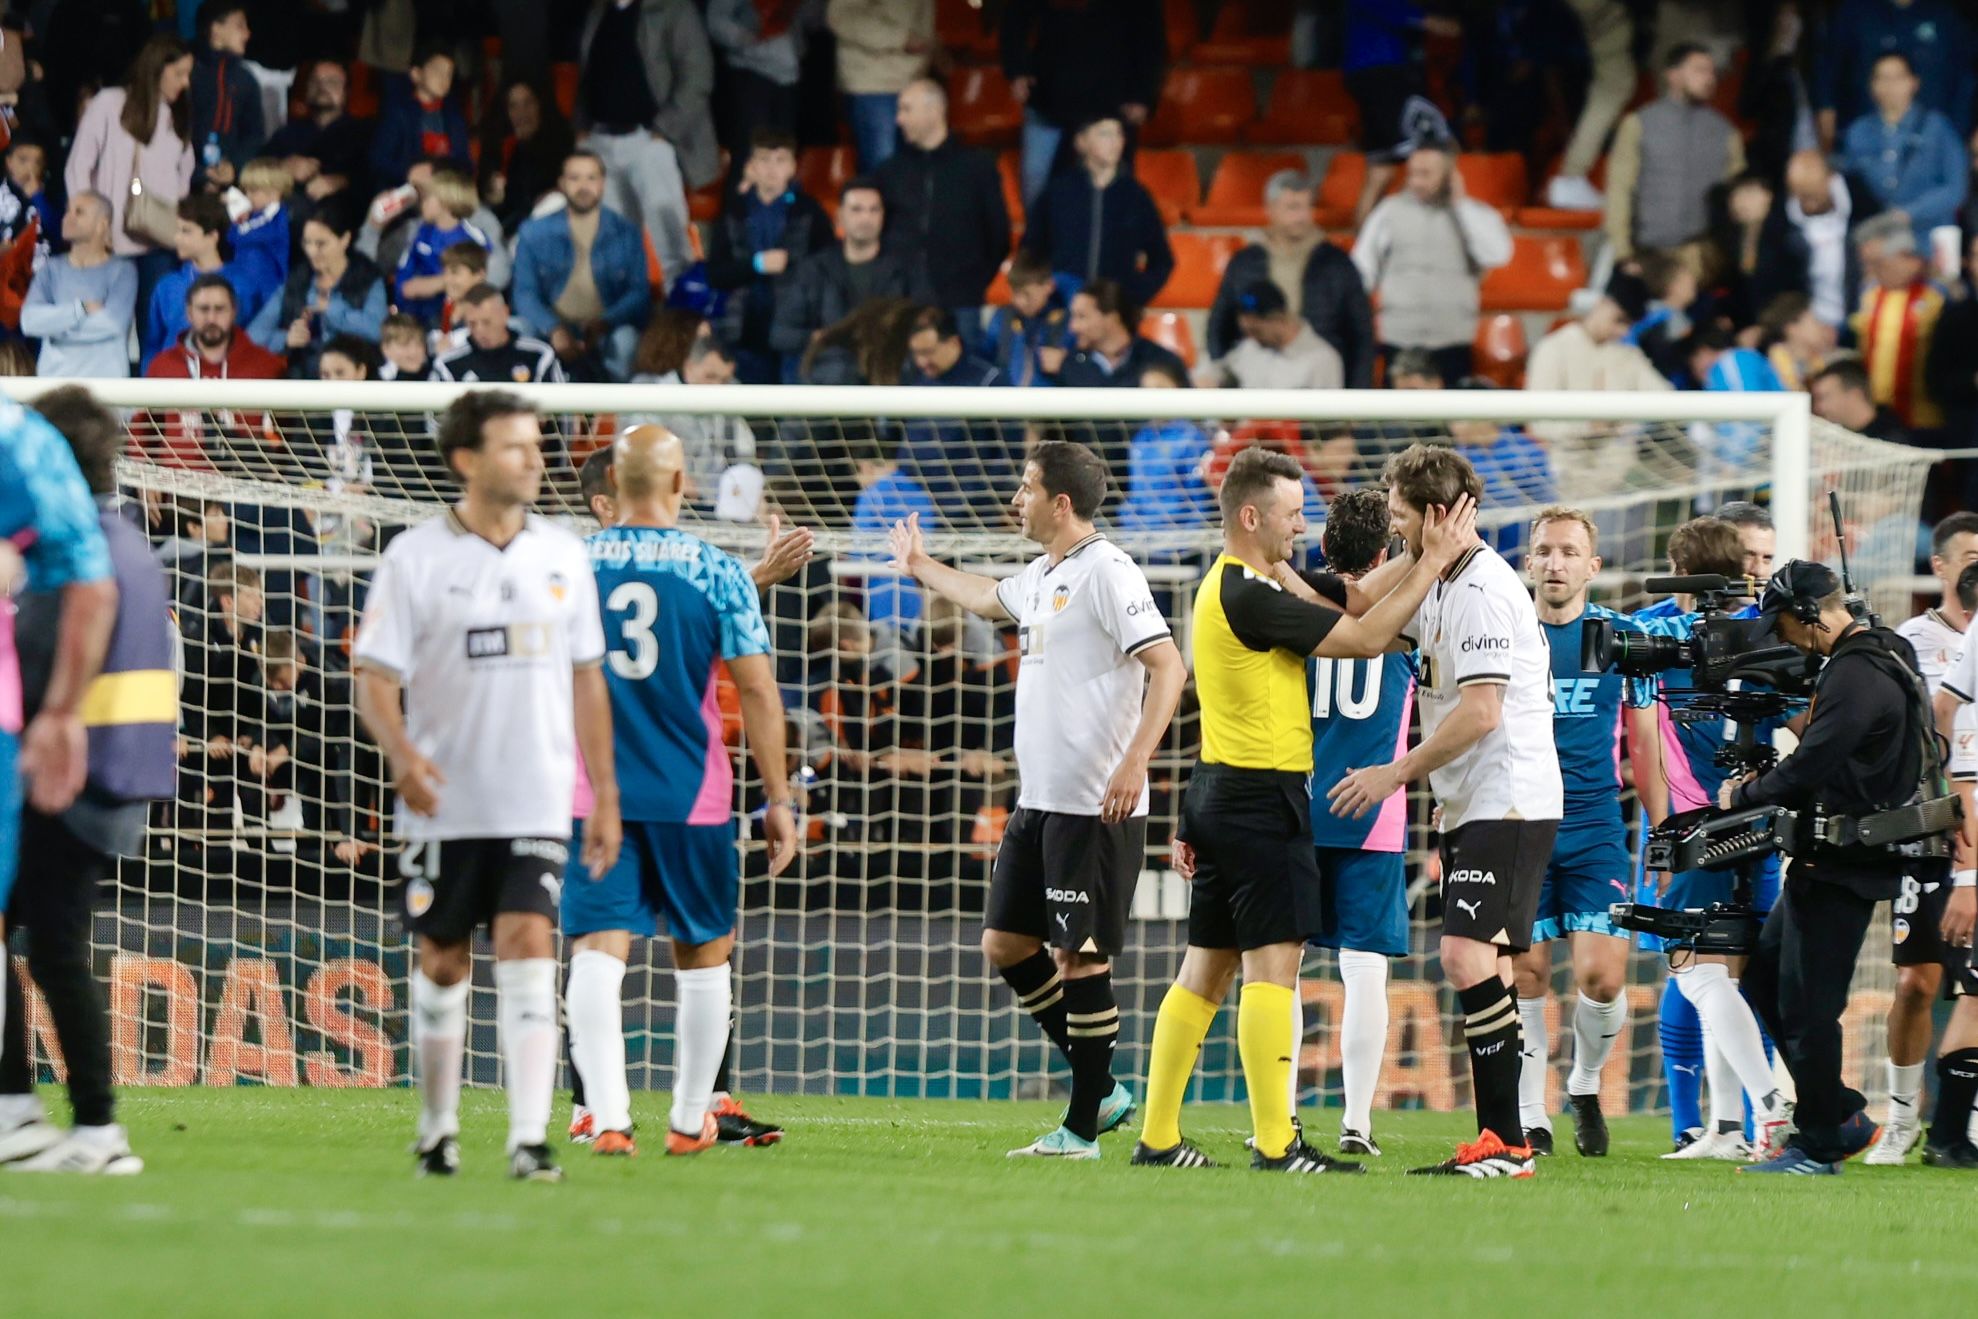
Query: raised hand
906	544
1449	533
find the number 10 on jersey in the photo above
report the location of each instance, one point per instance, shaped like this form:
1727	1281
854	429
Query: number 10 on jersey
1353	684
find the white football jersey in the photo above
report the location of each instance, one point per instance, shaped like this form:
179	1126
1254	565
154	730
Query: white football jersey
1479	625
1936	643
1960	679
1080	622
484	641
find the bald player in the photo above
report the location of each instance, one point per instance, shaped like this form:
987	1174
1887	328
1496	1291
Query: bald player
675	608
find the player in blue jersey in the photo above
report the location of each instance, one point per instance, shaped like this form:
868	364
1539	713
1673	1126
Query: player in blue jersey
674	609
1360	711
1590	868
1732	1048
53	543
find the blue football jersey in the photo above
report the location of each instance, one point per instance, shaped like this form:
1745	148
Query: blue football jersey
1360	712
1689	749
674	607
1586	720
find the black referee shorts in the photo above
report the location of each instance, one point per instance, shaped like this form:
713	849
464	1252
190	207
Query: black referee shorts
1256	874
1067	879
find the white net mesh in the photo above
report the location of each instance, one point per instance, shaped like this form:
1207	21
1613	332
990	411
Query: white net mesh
258	938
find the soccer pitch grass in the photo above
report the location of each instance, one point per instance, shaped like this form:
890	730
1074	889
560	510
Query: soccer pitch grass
298	1202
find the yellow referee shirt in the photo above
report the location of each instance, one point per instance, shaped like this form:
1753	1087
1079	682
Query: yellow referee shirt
1251	640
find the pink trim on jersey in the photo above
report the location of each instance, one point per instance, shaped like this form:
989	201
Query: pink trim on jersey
1390	831
10	673
1685	793
1620	718
582	799
716	800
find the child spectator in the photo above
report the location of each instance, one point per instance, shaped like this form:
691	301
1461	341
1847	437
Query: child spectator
462	266
1165	461
1672	289
768	225
261	236
1100	222
1797	342
445	205
403	341
421	117
226	100
27	167
1027	340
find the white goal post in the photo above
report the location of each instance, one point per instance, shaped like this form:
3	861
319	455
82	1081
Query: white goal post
258	942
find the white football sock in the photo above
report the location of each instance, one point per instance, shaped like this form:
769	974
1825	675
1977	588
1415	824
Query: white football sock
18	1110
1905	1089
439	1047
1596	1026
595	1001
1536	1052
1726	1105
1729	1024
525	1019
1362	1034
700	1036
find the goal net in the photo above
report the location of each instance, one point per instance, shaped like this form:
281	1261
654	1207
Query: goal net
258	939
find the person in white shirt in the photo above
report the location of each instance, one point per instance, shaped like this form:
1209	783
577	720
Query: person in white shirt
1488	751
1099	680
486	621
1277	351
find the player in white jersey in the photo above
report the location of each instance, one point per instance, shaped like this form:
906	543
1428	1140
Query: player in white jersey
1953	1137
486	622
1915	918
1099	680
1487	749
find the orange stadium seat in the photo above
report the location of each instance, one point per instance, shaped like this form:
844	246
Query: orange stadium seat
1170	176
1170	330
563	82
1199	262
1203	107
1248	34
1500	349
1545	217
958	26
821	171
1307	106
1009	164
998	292
1184	26
981	107
1236	194
1542	275
1339	190
362	100
705	203
1497	179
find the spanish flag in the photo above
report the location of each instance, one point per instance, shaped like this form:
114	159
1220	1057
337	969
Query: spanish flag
1894	327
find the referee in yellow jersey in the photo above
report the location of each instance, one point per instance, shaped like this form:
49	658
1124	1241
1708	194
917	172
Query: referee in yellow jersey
1245	836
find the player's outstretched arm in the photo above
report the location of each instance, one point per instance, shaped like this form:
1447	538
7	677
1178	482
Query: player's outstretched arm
1479	710
1167	674
762	721
417	779
1448	534
784	555
974	593
591	705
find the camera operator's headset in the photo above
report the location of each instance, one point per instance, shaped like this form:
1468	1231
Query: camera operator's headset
1917	827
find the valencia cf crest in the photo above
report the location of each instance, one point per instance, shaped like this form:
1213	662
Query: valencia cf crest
1898	931
1060	598
418	897
519	373
559	587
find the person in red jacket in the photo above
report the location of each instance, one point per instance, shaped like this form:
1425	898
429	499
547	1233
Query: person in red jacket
213	347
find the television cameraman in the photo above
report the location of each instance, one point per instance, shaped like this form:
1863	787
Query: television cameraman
1866	752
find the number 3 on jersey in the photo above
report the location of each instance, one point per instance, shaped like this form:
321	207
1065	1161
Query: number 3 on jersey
1355	684
641	653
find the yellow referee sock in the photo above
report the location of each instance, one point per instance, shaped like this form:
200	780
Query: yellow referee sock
1263	1032
1179	1029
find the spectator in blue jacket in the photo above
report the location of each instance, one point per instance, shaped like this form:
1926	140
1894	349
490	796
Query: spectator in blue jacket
1515	469
202	224
1937	38
226	101
337	291
261	237
1099	222
580	274
967	467
1909	155
444	207
1026	341
888	495
1165	483
419	117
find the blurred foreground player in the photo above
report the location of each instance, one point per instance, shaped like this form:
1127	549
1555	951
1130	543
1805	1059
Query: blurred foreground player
1245	835
675	609
73	617
486	622
1099	680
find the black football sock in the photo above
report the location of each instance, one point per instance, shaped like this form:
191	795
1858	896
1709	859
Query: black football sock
15	1076
1957	1088
1490	1024
723	1083
570	1054
1040	991
1092	1028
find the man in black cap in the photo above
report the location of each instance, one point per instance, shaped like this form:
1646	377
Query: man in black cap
1868	752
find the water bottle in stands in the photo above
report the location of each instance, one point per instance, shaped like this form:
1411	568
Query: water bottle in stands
210	153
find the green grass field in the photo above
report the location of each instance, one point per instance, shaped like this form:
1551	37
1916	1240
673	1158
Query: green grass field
302	1202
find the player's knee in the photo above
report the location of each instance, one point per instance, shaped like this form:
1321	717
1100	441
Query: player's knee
1526	981
1005	949
1466	961
1602	984
1915	988
446	963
